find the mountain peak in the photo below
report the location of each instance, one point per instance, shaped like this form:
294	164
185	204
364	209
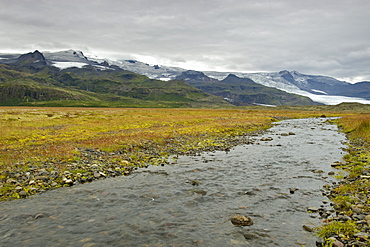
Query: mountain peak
192	76
287	76
33	60
32	57
232	76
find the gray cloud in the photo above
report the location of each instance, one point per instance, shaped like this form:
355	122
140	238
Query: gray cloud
314	36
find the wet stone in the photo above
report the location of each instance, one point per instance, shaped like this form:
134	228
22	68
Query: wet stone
193	182
292	190
241	220
312	209
39	216
307	228
250	236
266	139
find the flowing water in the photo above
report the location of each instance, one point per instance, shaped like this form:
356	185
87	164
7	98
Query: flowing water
190	203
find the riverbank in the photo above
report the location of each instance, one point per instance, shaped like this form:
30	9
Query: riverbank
349	225
95	164
48	148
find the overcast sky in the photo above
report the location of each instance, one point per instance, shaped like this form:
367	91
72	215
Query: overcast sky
323	37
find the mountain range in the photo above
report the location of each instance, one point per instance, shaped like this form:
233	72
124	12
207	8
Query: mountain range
320	89
71	78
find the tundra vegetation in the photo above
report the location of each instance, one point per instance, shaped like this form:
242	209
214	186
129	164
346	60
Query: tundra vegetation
74	143
42	148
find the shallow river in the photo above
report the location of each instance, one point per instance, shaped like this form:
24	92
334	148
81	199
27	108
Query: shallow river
190	202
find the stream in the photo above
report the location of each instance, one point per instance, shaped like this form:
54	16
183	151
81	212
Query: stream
190	202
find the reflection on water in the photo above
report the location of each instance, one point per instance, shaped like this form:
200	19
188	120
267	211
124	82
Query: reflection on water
190	203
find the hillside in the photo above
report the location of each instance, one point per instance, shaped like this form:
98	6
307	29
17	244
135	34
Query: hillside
33	80
243	91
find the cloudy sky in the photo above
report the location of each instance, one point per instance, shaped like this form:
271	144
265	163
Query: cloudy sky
323	37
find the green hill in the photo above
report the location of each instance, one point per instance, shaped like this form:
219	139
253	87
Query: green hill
31	82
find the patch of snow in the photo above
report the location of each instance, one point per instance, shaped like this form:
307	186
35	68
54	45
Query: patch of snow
264	105
319	91
164	79
65	65
102	67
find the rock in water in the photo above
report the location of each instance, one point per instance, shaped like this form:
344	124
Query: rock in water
307	228
241	220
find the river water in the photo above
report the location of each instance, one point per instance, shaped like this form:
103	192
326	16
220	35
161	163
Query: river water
190	202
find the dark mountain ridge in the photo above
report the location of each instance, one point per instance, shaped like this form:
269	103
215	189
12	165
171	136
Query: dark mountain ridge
242	91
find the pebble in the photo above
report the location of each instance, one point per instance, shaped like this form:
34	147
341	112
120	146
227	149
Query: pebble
362	235
312	209
22	193
18	188
337	244
53	184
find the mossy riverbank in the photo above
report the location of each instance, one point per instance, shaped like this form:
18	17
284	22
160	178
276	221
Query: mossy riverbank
349	225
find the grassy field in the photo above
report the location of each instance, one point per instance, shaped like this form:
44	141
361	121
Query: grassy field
36	142
44	148
38	134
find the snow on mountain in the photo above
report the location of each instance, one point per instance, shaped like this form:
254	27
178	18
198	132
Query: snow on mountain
331	99
314	87
66	56
65	65
163	73
321	89
297	84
